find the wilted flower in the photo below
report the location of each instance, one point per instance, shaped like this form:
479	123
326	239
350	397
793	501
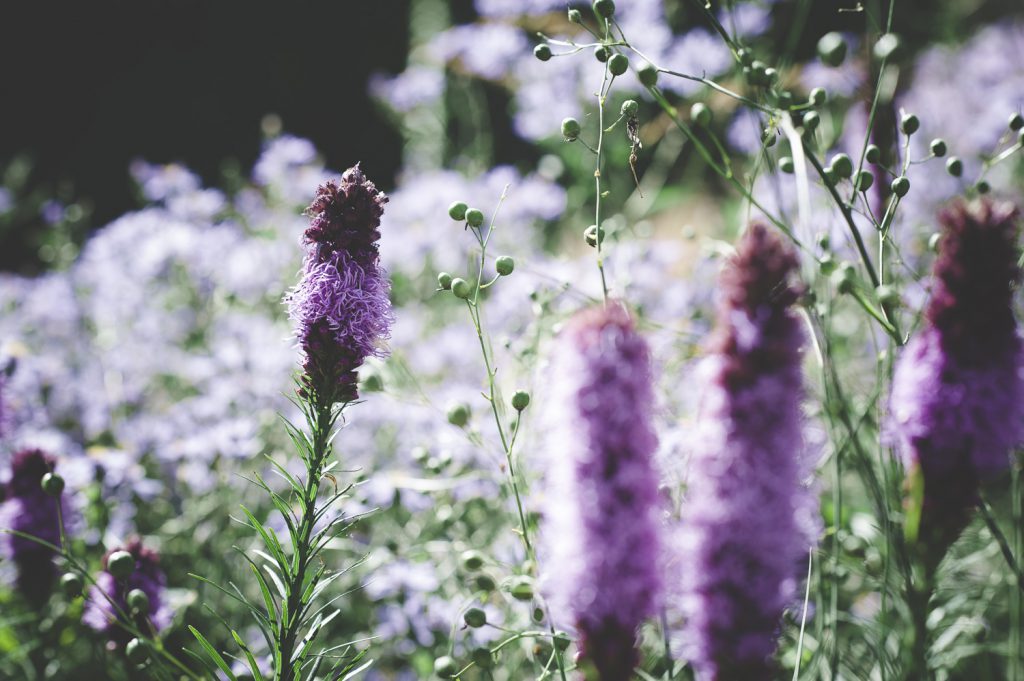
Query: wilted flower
745	521
603	527
147	577
28	509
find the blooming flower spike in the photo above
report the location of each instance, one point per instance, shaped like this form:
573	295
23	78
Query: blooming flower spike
29	509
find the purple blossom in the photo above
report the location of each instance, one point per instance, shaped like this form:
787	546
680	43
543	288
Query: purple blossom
602	537
29	510
147	577
414	87
745	520
341	306
957	392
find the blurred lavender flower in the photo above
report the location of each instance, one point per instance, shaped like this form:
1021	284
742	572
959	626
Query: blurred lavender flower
514	8
957	392
416	86
745	521
341	305
603	536
28	509
6	200
147	576
462	44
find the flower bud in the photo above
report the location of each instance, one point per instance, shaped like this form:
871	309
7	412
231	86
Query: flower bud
475	617
1016	122
461	288
873	154
887	295
842	165
138	601
445	667
786	164
457	211
444	281
938	147
71	585
601	53
618	64
900	186
136	651
52	484
575	17
909	124
484	582
521	588
604	8
864	180
592	236
745	56
845	277
571	129
561	641
983	187
648	75
629	107
700	114
474	217
504	265
458	414
121	564
954	166
520	400
818	96
832	49
483	657
887	47
472	560
827	264
542	52
811	121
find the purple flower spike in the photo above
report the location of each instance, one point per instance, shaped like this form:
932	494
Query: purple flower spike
341	307
30	510
745	524
147	576
603	536
957	392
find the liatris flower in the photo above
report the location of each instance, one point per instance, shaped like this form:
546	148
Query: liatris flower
147	577
30	510
957	393
744	525
341	306
603	535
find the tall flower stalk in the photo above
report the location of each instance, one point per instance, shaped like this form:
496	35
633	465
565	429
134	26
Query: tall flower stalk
745	520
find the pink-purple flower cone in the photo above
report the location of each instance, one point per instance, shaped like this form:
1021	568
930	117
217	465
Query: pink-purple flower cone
602	532
341	306
746	520
957	392
147	576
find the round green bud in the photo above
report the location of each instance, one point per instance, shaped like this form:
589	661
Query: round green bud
136	651
482	657
786	164
832	49
700	114
484	582
845	277
457	211
618	64
630	107
461	288
542	52
900	186
504	265
444	281
648	75
938	147
771	74
864	180
475	617
71	585
983	187
522	588
1016	122
538	615
604	8
933	241
830	175
138	601
954	166
824	241
745	56
52	484
842	166
811	121
601	53
575	17
561	641
474	217
887	295
769	138
445	667
458	414
121	564
827	264
420	454
818	96
472	560
520	400
909	124
571	129
758	74
1020	137
591	235
887	47
873	154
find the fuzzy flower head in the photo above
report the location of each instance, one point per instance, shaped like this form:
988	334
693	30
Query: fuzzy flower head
746	519
602	534
341	306
30	510
957	392
101	615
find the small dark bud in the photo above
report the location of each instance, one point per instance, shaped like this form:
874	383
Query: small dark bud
832	49
482	657
591	235
121	564
71	585
445	667
571	129
136	651
461	288
900	186
542	52
811	121
873	154
618	64
842	165
522	588
983	187
475	217
954	166
864	180
604	8
648	75
457	211
575	17
786	164
458	415
630	107
561	641
700	114
472	560
475	617
520	400
938	147
484	582
504	265
818	96
138	601
909	124
601	53
745	56
1016	122
444	281
52	484
887	47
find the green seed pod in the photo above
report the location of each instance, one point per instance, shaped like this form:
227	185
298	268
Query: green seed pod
445	667
827	265
873	154
71	585
444	281
475	617
909	124
900	186
811	121
954	166
745	56
604	8
786	164
561	641
475	217
845	277
520	400
938	147
542	52
630	107
52	484
482	657
601	53
824	241
472	560
484	582
648	75
1016	122
830	175
983	187
818	96
461	288
842	166
522	588
864	180
888	47
136	651
771	75
571	129
457	211
933	242
592	236
700	114
618	64
832	49
504	265
121	564
758	74
575	17
138	601
538	615
458	415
